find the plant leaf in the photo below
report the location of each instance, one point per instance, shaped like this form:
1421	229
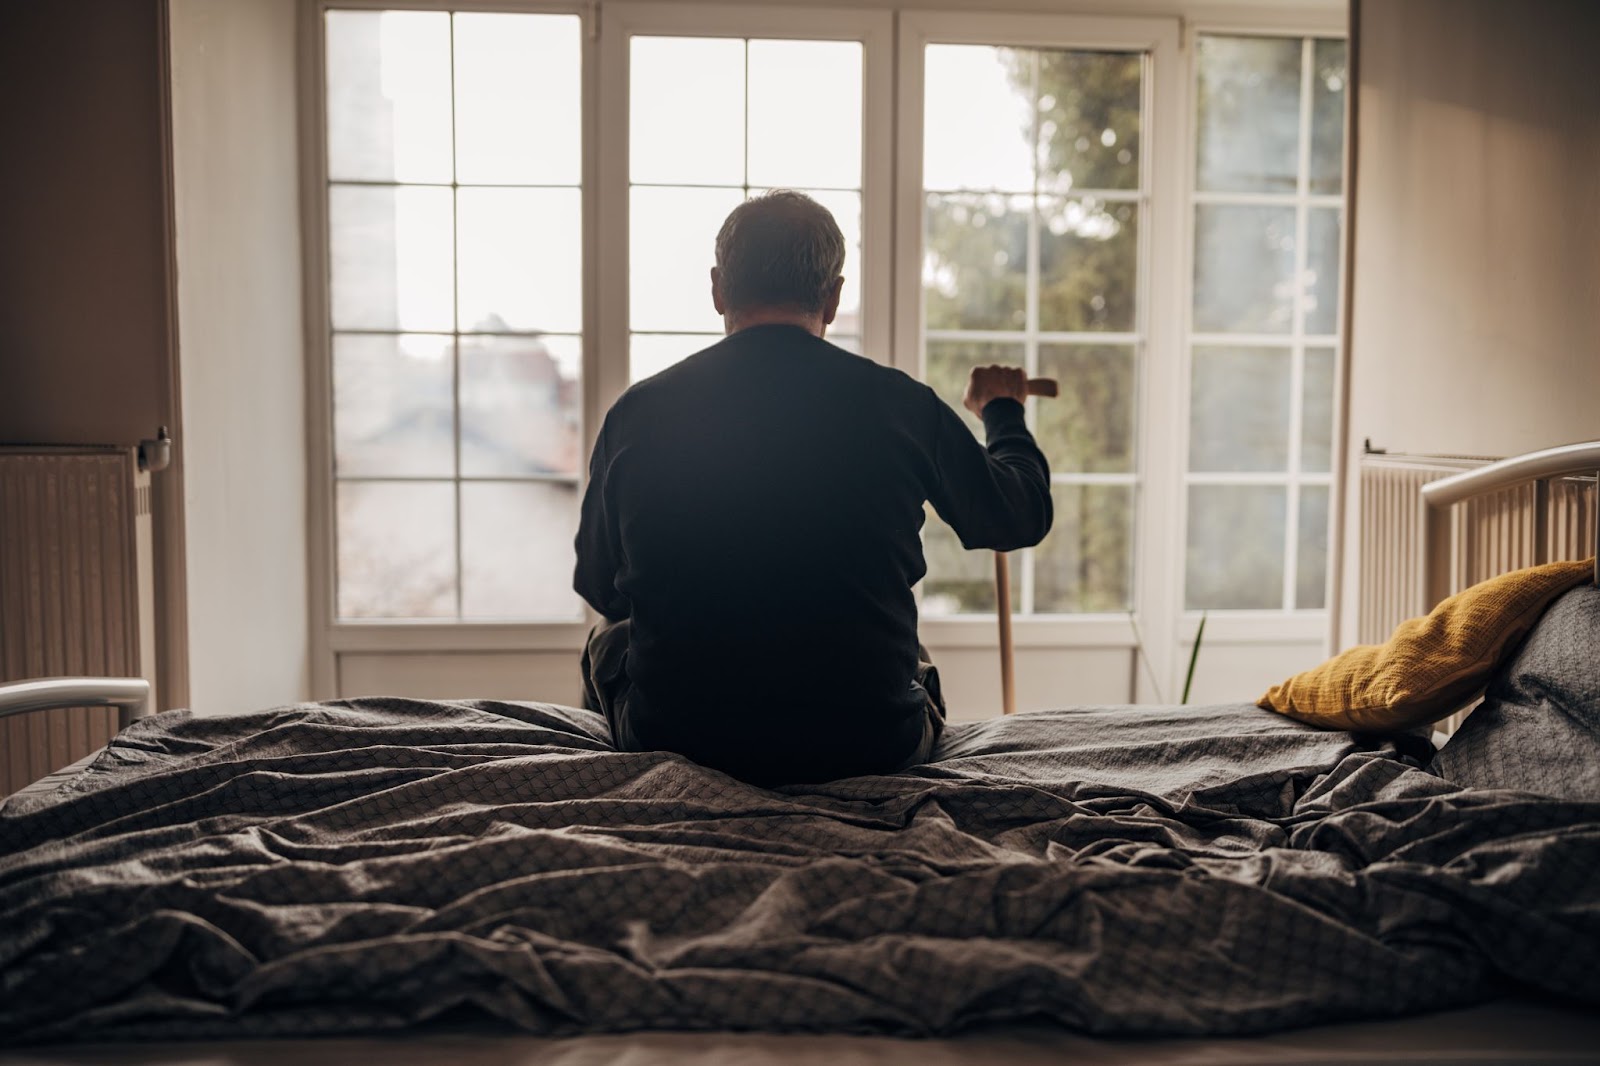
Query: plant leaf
1194	656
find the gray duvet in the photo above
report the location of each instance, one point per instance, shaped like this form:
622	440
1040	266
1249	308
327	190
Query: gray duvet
374	864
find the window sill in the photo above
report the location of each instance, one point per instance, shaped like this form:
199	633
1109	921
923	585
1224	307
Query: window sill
967	631
980	631
402	636
1117	630
1255	627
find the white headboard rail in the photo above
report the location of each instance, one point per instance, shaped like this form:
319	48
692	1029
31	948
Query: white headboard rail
1538	467
130	695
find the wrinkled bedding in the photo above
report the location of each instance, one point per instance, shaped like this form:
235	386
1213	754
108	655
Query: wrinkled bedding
374	864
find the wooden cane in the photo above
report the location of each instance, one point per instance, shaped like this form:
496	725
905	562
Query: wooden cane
1002	588
1002	595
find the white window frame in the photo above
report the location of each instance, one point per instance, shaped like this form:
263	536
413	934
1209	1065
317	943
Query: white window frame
1160	289
622	21
1274	625
893	39
331	635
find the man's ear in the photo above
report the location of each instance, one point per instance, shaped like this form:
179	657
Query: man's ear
716	292
830	307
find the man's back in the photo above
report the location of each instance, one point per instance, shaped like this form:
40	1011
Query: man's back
760	505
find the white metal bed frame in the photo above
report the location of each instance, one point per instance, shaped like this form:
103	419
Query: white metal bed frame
130	695
1540	467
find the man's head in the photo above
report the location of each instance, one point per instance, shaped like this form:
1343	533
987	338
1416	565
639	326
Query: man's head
780	258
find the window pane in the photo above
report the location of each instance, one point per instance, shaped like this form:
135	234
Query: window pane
1243	269
686	108
1089	427
671	249
1316	417
651	353
388	96
959	581
1251	277
521	259
1235	552
518	116
975	266
397	550
1311	562
949	363
391	258
1089	120
792	83
1328	78
516	550
1086	563
1088	265
1248	114
978	127
392	406
1239	409
519	406
1322	271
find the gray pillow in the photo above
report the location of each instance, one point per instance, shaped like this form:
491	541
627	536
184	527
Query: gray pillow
1538	728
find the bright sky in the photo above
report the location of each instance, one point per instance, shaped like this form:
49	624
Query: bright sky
975	122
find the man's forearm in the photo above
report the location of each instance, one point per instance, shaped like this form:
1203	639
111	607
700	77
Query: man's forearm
996	496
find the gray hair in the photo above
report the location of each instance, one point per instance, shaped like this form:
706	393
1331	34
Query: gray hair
780	249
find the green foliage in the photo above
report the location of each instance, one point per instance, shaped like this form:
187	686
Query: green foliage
1070	240
1081	96
975	271
1085	132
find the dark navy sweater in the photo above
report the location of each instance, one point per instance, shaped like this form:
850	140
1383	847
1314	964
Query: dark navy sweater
755	511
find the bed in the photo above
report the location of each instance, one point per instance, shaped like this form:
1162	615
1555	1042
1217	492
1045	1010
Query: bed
477	881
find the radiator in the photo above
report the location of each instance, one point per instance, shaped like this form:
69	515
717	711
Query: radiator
1489	535
76	592
1391	527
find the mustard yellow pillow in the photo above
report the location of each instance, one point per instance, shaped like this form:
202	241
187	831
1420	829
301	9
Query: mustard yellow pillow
1431	665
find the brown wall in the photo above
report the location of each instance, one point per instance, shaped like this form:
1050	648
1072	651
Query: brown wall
85	336
87	340
1475	278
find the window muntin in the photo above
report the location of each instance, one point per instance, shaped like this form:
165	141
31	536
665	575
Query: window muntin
456	307
1033	187
1267	211
712	121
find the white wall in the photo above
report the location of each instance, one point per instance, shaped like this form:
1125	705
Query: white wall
236	177
1476	269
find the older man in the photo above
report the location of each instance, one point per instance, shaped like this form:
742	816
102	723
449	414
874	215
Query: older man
750	526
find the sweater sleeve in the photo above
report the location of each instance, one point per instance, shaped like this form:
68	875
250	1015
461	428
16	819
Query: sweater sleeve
995	496
599	541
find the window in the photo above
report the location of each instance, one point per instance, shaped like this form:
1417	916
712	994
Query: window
1032	179
454	162
519	221
1265	319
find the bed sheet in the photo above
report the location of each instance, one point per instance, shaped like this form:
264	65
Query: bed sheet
373	864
